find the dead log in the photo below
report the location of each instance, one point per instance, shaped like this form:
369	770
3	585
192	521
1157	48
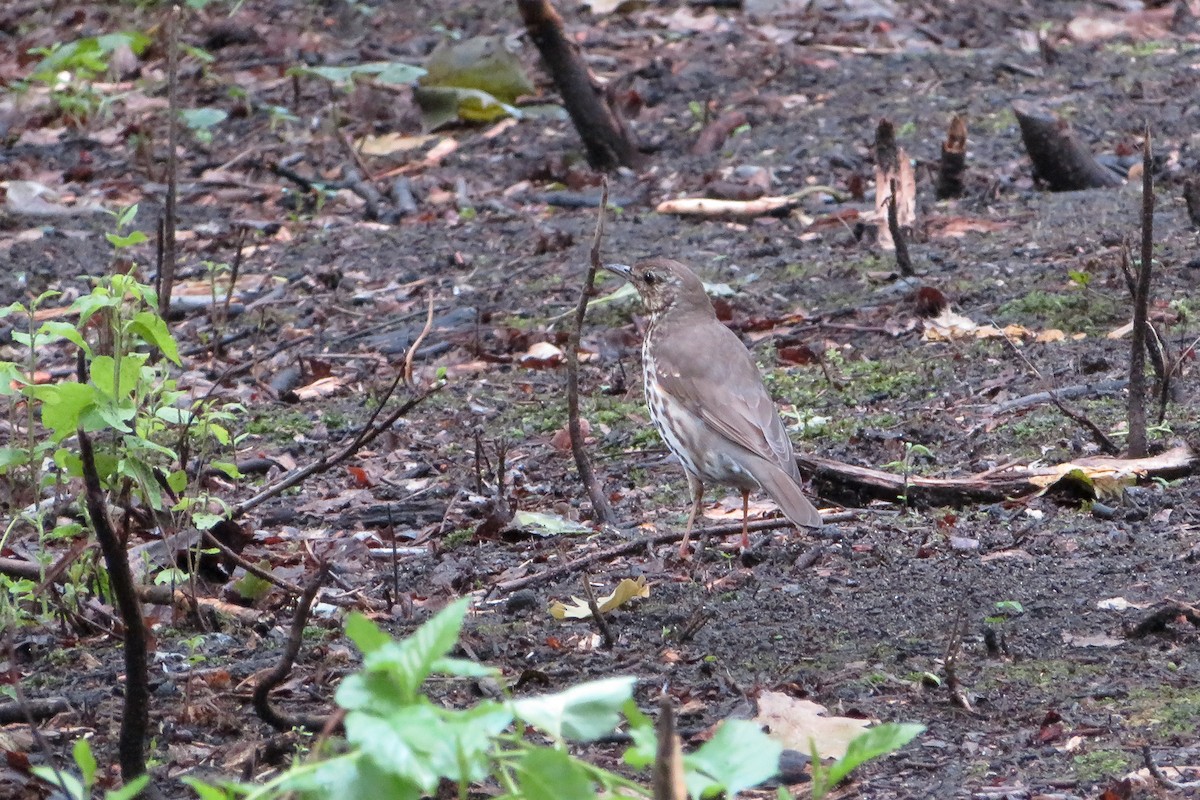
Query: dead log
853	484
606	138
1060	159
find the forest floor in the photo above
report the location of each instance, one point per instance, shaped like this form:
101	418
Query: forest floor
1036	598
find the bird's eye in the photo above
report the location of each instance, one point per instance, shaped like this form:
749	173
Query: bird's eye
650	278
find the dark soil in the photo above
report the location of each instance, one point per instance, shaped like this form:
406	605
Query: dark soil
860	616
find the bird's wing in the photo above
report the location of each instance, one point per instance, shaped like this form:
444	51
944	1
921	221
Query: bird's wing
722	386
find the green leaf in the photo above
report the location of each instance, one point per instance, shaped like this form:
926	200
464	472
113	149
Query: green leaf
12	457
12	379
738	757
129	790
580	713
104	378
645	739
204	520
351	776
128	240
548	774
226	468
197	119
206	791
153	330
366	635
1010	607
82	752
178	481
64	330
62	405
57	778
872	743
143	474
409	662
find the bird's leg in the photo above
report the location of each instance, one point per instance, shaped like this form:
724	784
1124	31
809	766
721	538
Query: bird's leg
696	488
745	519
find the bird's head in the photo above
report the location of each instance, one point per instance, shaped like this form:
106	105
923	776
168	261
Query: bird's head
663	284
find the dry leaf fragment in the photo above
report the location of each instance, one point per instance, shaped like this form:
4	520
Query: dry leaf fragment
804	725
626	590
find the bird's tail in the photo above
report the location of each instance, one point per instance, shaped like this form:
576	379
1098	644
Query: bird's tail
785	491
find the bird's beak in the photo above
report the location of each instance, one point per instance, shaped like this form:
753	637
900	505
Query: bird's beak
624	270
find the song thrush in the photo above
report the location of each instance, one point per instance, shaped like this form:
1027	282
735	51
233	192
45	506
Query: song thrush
707	398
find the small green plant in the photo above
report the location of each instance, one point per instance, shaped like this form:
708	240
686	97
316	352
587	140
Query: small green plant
911	453
144	426
70	70
871	743
400	743
79	786
202	121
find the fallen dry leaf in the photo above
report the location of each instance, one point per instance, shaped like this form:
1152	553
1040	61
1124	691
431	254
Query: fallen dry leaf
626	590
804	725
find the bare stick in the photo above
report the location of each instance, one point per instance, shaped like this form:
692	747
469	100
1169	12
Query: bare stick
167	274
1157	774
412	351
632	546
135	717
594	607
608	141
1106	444
326	463
667	781
953	649
1141	313
600	506
262	692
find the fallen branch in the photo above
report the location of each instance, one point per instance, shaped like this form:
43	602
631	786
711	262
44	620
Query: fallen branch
851	483
1157	774
643	542
775	206
1109	386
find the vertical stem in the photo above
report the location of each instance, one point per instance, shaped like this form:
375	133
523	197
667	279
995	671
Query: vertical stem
1141	306
167	276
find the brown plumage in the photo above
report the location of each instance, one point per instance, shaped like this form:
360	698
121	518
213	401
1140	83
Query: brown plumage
707	398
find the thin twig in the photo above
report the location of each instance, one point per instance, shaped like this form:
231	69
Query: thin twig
1157	774
412	351
953	648
594	607
1106	444
600	506
632	546
297	476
